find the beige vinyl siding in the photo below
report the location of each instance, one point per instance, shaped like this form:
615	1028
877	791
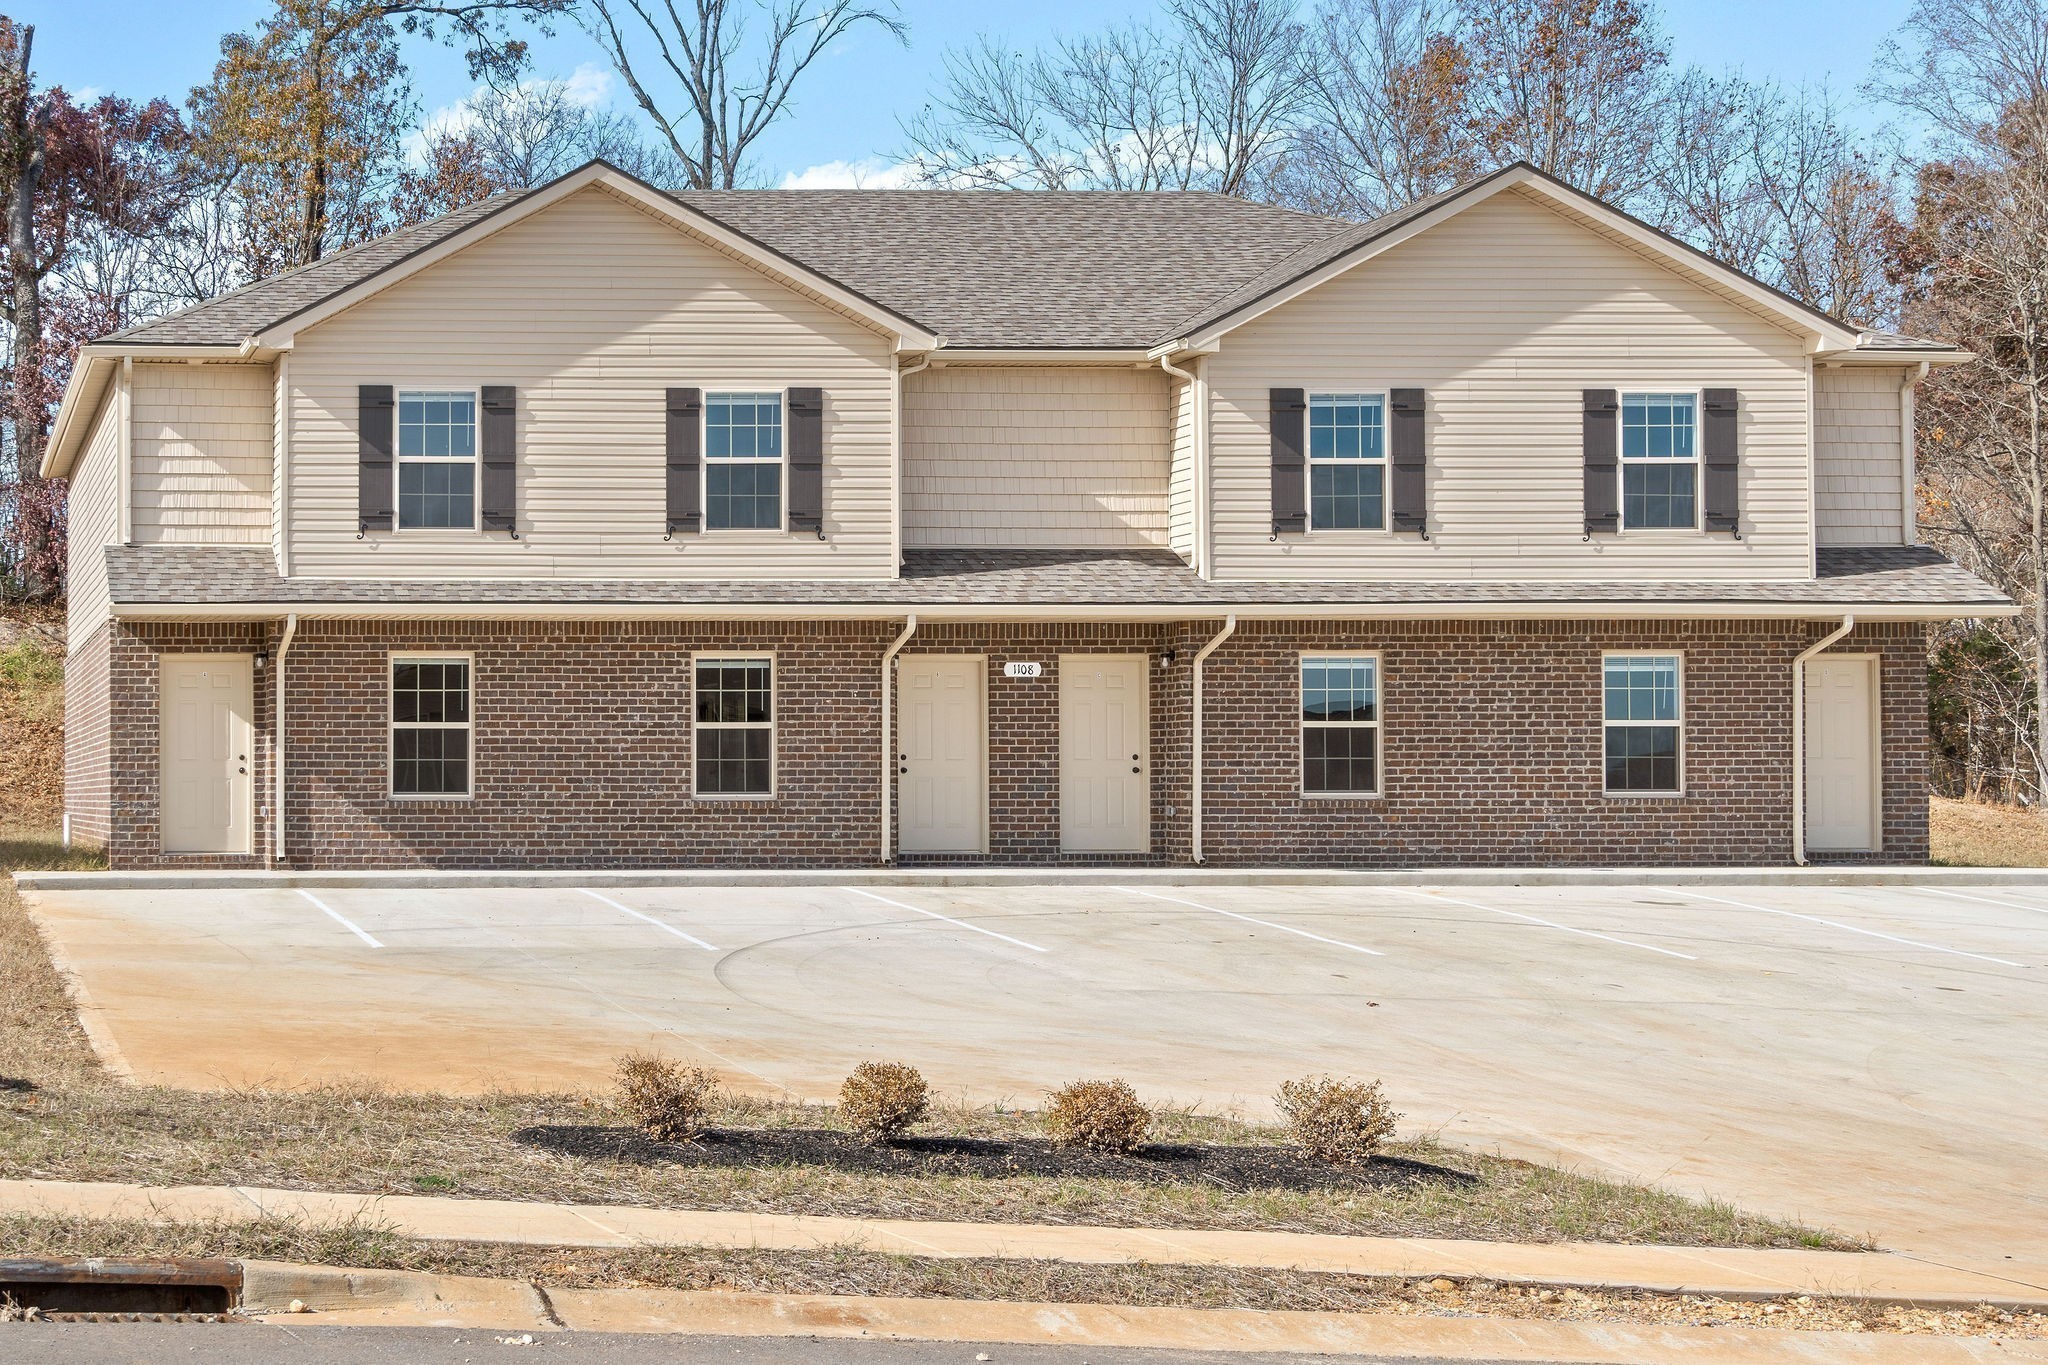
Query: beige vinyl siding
592	309
94	502
1859	465
1180	480
1041	456
203	451
1504	314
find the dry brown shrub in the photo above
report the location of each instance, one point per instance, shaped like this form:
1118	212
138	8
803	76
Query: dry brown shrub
882	1100
663	1099
1341	1122
1103	1116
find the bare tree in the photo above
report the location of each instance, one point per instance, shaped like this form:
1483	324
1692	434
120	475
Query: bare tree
1976	267
1385	109
1203	100
730	88
527	134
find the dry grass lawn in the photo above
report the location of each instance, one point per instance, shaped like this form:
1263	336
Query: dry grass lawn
853	1270
1977	834
62	1118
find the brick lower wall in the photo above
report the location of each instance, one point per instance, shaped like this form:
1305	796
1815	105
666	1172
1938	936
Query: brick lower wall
1491	745
88	775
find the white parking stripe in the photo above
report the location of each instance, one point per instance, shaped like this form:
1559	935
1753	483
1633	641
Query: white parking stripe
1837	924
1549	923
665	928
933	914
1262	923
332	914
1984	900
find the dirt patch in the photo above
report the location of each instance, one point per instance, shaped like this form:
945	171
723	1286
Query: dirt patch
31	717
1979	834
1225	1167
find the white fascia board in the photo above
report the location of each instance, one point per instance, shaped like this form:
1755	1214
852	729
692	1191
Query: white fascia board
1822	333
1892	359
1247	612
1040	355
908	334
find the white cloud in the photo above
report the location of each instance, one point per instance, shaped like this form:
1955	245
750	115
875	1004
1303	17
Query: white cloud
868	173
589	85
86	94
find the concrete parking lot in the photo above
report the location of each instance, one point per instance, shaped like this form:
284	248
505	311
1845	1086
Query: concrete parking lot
1864	1057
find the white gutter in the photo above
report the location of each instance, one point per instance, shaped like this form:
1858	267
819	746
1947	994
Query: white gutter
1799	733
1053	611
1909	495
1195	744
284	645
889	736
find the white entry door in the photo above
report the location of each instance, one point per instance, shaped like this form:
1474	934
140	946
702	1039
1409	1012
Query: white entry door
1842	783
941	760
206	736
1105	754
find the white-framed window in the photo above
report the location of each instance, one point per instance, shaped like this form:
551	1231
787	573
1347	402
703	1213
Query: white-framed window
1347	461
1643	723
1660	461
734	728
436	459
1340	724
432	724
743	461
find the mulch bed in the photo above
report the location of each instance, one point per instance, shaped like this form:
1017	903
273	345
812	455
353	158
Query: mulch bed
1237	1168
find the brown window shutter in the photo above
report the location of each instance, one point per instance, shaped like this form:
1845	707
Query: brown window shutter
1408	481
807	460
1601	439
1718	442
375	415
1290	477
685	438
498	444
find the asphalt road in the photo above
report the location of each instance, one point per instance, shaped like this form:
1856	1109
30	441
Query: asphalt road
157	1344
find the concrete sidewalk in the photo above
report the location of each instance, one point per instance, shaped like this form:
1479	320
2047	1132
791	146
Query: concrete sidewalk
458	879
1730	1273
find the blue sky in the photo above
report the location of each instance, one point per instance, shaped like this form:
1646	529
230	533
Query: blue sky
850	103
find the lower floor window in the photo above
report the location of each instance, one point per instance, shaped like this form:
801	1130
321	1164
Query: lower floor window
1643	722
430	726
1340	724
735	726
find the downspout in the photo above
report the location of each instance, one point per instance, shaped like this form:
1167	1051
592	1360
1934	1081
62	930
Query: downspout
889	737
1198	453
284	645
896	468
1195	757
1799	733
1909	494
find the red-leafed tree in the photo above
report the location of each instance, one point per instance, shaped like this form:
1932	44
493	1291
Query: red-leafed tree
67	170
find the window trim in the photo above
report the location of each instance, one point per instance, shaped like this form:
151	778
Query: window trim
1698	394
1385	463
1678	656
392	659
1302	722
705	461
476	462
773	725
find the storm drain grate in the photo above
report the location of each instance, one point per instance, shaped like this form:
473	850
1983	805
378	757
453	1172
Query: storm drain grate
106	1289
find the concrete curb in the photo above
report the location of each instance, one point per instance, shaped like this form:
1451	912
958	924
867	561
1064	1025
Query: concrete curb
433	879
1877	1277
339	1297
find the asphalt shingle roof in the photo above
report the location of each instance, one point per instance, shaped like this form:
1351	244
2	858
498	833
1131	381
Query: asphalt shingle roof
166	575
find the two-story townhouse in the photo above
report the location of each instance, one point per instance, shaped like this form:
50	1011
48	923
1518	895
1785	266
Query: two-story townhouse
597	525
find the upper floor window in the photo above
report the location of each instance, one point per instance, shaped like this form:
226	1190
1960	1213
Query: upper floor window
1660	461
1347	461
742	461
436	460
